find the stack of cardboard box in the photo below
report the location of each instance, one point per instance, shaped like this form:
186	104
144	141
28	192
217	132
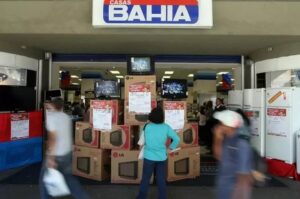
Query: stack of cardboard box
184	163
125	165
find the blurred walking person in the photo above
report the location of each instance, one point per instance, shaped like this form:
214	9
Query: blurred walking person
156	133
234	179
59	149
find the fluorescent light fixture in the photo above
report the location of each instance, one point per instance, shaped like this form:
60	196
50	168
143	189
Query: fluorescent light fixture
166	77
115	72
59	78
75	83
60	71
220	82
221	73
120	76
232	79
233	68
74	76
191	75
80	79
169	72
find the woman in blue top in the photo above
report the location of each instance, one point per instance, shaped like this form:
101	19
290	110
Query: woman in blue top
156	134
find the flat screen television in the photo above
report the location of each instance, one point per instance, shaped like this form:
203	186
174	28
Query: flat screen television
107	89
188	136
49	95
83	164
174	88
116	138
181	167
140	65
87	135
128	170
17	98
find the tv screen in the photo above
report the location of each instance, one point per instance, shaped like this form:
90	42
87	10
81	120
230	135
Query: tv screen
83	164
52	94
188	136
128	169
140	66
87	135
17	98
116	138
107	89
181	167
174	88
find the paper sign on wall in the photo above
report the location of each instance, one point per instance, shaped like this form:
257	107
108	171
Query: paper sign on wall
277	122
19	126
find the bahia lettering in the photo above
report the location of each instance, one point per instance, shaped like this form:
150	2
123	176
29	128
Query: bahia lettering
118	11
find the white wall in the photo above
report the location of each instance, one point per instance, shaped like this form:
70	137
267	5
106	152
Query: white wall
18	61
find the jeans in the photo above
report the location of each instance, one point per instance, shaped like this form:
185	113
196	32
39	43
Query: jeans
148	169
64	165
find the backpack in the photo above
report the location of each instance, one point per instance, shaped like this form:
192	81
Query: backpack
259	169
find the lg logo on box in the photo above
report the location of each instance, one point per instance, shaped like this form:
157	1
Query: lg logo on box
116	154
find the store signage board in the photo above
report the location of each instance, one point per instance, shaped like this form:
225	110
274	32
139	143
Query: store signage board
19	126
153	13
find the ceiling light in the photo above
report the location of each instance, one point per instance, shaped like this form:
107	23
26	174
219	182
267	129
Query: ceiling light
59	78
80	79
75	83
169	72
220	82
233	68
120	76
221	73
191	75
23	47
232	79
60	71
74	76
115	72
166	77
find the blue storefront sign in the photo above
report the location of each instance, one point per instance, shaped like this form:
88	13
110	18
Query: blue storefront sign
152	13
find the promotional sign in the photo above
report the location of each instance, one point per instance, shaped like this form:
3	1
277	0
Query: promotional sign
19	126
174	114
153	13
139	99
102	115
254	120
277	122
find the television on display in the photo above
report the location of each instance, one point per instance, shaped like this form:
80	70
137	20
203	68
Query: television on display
140	65
116	138
83	164
181	167
87	135
107	89
52	94
188	136
174	88
128	170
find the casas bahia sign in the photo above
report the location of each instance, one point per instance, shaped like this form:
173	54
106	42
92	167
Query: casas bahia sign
153	13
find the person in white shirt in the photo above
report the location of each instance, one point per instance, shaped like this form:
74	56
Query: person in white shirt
59	149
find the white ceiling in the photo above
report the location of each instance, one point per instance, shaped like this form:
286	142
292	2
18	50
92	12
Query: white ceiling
181	70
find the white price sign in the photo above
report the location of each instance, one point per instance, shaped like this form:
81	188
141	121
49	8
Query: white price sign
19	126
102	119
175	118
140	102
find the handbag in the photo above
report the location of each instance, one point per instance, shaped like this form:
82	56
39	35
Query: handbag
142	143
55	183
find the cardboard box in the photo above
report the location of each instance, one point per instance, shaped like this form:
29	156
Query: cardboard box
115	105
138	82
175	106
132	118
85	135
184	164
126	167
188	136
120	137
91	163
